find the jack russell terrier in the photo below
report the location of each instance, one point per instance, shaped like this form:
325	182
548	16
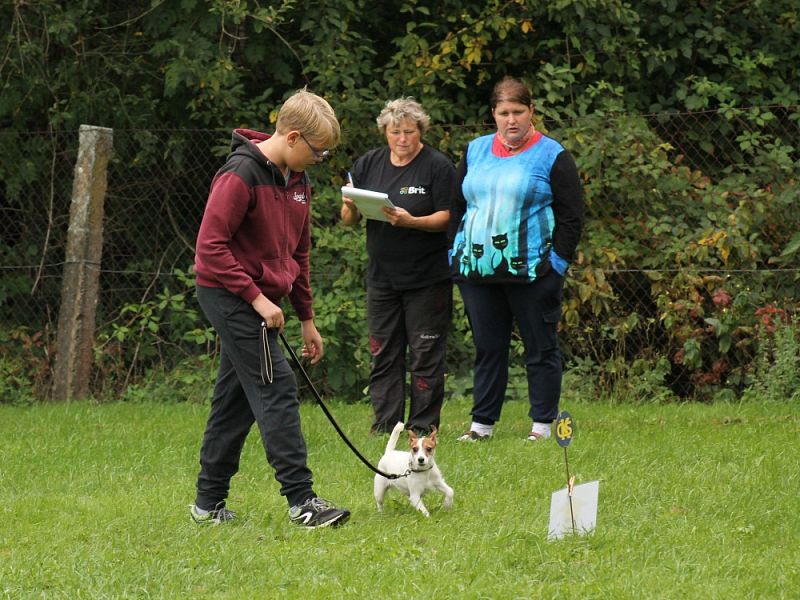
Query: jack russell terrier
417	467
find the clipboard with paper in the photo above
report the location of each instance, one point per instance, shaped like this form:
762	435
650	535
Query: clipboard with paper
369	203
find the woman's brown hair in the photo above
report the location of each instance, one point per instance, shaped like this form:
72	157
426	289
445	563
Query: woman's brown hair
511	89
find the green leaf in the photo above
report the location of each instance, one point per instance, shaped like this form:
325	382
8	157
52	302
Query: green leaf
793	247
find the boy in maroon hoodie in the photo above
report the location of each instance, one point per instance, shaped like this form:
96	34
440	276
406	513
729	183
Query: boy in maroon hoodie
252	251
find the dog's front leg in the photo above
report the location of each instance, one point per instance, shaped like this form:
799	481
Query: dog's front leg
416	502
448	494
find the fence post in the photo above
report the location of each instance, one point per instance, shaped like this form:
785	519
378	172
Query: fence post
76	315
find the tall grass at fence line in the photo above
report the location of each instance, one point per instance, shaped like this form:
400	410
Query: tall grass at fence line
696	501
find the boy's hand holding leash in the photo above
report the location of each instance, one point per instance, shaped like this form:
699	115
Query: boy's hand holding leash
271	313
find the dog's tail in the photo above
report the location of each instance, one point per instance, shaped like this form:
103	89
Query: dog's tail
398	429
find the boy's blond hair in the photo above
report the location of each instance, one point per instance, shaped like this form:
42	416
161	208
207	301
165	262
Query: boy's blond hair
312	116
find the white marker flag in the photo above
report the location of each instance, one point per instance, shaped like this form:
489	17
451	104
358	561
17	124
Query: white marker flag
584	510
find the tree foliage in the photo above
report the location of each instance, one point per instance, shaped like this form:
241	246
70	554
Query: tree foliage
192	63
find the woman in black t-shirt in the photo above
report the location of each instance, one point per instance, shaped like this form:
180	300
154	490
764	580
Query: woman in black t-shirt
409	292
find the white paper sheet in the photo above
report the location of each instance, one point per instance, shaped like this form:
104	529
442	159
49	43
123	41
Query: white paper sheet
584	509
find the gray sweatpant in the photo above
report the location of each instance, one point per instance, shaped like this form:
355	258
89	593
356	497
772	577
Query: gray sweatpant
241	398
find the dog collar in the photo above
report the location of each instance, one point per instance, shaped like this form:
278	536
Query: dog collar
412	470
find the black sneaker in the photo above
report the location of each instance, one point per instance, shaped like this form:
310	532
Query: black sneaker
316	512
213	516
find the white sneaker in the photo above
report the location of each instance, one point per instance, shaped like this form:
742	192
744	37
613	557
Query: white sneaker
539	432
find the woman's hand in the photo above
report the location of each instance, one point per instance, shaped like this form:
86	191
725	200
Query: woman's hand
399	217
349	212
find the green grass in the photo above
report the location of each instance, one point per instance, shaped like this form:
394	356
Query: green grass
696	501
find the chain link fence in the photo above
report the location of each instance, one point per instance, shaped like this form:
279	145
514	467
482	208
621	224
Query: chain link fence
625	301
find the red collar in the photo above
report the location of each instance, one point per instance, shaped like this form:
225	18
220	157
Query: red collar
498	149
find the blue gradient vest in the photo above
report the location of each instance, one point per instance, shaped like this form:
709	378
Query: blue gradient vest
508	225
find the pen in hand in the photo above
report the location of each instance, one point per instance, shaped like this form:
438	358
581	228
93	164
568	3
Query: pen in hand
349	213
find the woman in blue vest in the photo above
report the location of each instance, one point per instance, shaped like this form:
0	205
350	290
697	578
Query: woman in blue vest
515	224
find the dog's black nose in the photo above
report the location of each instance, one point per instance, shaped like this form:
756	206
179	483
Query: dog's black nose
420	460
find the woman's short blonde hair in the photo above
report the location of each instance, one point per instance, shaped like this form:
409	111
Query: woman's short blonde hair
402	109
312	116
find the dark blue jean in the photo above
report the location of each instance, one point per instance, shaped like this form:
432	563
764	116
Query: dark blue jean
492	310
241	398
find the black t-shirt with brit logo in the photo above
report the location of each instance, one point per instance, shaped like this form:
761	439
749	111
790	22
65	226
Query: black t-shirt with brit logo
401	258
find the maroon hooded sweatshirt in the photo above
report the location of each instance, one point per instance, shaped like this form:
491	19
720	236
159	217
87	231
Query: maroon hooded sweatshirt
256	230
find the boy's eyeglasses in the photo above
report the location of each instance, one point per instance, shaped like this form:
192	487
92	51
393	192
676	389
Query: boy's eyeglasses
318	154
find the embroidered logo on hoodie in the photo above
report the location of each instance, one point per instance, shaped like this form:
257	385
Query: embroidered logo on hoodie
299	197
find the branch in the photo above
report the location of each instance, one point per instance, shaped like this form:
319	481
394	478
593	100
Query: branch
49	213
736	8
134	19
176	229
287	44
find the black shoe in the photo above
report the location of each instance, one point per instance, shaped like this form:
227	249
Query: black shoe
316	512
421	431
213	516
473	436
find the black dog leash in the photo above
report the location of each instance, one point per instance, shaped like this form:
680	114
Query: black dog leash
317	397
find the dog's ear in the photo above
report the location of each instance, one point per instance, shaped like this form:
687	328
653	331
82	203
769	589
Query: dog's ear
433	433
412	437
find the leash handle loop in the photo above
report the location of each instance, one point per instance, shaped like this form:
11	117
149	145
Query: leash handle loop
328	414
265	356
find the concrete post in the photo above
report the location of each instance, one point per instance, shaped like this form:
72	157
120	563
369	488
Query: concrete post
76	315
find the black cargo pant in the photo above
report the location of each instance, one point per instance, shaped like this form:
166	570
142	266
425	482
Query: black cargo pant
417	320
242	398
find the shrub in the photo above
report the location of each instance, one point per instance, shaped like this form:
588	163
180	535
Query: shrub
776	369
25	371
191	380
153	335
